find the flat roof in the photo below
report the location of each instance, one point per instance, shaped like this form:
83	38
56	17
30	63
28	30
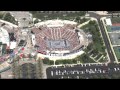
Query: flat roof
108	21
4	36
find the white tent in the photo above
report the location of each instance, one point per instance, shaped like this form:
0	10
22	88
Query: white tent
12	45
4	36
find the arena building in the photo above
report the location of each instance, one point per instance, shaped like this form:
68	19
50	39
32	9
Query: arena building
59	38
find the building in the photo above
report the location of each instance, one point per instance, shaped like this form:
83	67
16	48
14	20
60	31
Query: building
108	21
4	36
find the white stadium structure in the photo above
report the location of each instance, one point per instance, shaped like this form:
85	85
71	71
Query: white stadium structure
59	39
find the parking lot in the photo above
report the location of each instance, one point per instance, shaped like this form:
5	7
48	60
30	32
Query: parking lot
85	70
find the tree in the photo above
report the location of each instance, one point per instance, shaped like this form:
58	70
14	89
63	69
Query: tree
77	19
92	22
83	20
90	46
74	61
39	72
46	61
103	48
36	21
10	18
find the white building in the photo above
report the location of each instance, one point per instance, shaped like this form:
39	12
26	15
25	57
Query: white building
108	21
13	45
4	36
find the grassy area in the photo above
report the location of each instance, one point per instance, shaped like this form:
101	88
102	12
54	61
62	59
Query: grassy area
48	16
109	28
117	52
103	60
1	15
69	61
98	56
47	61
92	28
10	18
115	20
84	58
97	44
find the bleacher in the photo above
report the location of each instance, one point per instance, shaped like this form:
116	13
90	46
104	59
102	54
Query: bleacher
44	33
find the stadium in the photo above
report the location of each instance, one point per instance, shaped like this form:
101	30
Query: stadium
59	38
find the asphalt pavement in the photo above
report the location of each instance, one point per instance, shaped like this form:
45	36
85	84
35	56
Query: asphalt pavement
86	71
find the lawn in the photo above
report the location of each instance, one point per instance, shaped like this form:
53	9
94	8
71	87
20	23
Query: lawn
98	56
103	60
97	44
69	61
84	58
109	28
97	40
87	61
48	16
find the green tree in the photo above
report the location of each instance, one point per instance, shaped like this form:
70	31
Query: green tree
46	61
10	18
92	22
77	19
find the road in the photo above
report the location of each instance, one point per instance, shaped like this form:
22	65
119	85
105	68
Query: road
107	43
